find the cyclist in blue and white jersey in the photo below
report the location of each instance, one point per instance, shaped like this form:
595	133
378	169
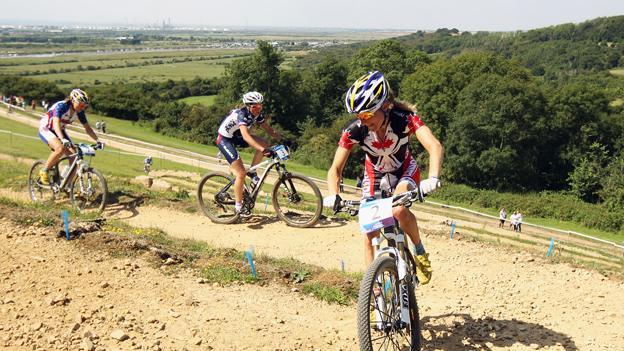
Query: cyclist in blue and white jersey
382	130
234	131
52	128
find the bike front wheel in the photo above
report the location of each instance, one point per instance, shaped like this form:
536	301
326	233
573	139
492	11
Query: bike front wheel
297	200
89	191
39	192
215	197
379	310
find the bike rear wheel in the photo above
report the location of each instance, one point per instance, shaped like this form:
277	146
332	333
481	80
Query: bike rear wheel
379	310
297	201
89	192
39	192
215	197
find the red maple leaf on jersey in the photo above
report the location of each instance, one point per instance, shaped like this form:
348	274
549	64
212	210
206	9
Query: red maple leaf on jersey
377	144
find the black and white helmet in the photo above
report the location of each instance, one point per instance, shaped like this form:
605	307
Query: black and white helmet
253	97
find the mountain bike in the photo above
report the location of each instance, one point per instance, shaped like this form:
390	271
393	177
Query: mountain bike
86	186
296	198
388	316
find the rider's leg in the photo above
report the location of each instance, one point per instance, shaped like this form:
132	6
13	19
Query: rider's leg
258	155
409	224
238	169
369	252
56	154
407	220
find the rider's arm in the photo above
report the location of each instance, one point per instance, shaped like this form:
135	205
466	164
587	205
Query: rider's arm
267	128
335	171
249	138
433	147
90	131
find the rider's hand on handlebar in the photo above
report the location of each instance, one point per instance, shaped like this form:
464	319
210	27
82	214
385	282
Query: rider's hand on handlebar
99	145
268	153
333	202
429	185
66	143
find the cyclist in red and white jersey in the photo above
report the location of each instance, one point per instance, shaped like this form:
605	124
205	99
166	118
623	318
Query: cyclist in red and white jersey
52	128
382	130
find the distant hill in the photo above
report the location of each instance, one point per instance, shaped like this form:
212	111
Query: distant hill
554	52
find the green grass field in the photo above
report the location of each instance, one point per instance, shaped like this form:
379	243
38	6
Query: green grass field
110	161
203	100
41	66
162	72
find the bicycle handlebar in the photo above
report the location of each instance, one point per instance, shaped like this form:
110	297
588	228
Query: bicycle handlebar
352	207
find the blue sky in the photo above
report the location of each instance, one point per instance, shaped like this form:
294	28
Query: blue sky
472	15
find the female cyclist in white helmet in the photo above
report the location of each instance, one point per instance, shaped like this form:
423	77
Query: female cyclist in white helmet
234	131
52	128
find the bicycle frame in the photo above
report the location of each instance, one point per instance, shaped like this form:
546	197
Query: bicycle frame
78	157
253	193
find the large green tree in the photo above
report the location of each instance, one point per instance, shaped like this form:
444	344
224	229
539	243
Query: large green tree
495	137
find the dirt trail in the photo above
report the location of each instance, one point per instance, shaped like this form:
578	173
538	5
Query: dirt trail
480	295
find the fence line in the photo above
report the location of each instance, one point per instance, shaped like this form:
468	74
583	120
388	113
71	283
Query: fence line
529	224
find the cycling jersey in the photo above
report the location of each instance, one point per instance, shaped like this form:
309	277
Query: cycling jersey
62	111
238	117
388	154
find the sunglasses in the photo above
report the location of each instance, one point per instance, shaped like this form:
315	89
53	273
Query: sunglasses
366	115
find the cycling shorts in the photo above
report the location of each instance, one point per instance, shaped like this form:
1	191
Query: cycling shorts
375	180
46	134
227	146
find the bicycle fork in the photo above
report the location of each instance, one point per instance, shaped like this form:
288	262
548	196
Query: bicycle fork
404	290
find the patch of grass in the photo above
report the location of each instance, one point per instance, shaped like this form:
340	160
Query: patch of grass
202	100
326	293
225	275
14	175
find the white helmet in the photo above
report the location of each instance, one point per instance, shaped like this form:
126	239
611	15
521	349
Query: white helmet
253	97
79	96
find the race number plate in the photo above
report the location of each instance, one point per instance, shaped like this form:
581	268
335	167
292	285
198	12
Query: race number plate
375	215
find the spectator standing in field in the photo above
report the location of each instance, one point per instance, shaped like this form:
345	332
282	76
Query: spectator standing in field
103	126
33	105
98	125
513	221
502	216
519	224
